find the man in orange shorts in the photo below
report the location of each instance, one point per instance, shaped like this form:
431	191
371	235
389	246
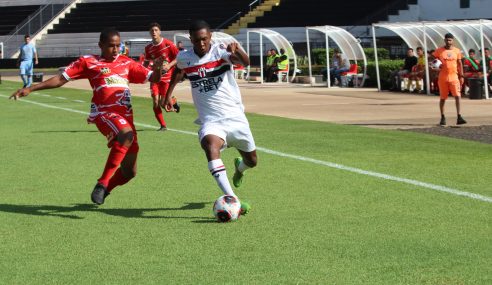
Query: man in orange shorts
450	76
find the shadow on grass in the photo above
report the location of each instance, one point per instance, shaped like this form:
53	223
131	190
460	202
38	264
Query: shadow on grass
69	211
79	131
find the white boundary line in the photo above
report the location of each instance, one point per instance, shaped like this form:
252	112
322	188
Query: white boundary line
315	161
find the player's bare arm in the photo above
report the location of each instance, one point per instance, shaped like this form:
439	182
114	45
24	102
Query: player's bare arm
238	56
177	77
157	71
460	71
168	66
53	82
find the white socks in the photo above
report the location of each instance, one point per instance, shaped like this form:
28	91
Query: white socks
218	171
242	167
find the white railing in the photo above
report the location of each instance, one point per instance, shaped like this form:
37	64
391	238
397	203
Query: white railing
33	24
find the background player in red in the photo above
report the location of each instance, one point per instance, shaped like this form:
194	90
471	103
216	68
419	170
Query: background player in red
164	49
111	109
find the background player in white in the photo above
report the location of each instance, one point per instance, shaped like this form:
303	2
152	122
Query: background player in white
218	101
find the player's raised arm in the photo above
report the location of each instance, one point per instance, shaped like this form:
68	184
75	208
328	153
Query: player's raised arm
238	56
166	102
54	82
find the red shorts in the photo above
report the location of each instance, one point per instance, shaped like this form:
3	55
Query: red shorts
446	87
159	88
110	124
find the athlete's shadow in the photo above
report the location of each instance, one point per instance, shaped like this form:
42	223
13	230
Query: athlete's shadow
77	131
69	211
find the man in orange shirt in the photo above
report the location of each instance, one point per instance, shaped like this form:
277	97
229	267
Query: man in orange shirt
450	76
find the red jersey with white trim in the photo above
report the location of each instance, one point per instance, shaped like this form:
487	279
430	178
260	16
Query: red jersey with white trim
215	92
165	49
109	81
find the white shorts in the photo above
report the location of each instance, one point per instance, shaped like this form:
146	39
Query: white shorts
234	131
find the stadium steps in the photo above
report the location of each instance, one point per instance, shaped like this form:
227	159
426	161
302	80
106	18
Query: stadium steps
249	18
76	44
51	23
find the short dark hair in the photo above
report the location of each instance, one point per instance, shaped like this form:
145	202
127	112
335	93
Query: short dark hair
107	33
471	50
409	49
27	36
486	49
198	25
419	48
448	36
154	24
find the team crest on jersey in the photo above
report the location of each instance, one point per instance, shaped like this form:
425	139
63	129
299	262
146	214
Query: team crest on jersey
450	54
105	70
202	72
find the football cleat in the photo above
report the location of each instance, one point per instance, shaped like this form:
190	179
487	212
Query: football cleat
99	194
237	179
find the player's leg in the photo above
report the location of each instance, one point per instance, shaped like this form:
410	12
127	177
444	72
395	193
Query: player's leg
456	92
443	96
127	171
154	89
29	72
164	86
22	73
121	136
212	145
240	137
246	161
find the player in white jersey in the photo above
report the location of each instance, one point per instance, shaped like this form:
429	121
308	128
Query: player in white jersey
218	101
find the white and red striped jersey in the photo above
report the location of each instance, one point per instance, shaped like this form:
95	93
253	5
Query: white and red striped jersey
109	81
215	91
165	49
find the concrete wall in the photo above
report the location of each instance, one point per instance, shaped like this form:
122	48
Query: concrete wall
439	10
5	3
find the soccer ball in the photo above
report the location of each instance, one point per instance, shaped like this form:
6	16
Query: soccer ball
227	208
436	64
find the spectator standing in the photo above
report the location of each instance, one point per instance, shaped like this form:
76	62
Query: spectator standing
27	52
450	76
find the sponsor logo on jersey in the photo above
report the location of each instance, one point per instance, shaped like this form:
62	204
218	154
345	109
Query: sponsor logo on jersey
207	85
115	80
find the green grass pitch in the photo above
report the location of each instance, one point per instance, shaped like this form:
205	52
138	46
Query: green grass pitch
309	224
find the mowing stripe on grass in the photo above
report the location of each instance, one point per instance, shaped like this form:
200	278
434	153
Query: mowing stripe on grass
315	161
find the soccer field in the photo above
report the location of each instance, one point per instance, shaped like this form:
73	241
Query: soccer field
331	204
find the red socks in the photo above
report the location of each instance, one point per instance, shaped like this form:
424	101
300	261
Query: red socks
117	180
116	156
158	116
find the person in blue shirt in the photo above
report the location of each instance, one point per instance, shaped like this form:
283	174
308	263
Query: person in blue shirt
25	61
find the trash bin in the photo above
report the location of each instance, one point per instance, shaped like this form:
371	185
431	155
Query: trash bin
475	85
37	77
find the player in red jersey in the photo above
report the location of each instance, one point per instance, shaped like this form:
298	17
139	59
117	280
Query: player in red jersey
166	50
111	109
